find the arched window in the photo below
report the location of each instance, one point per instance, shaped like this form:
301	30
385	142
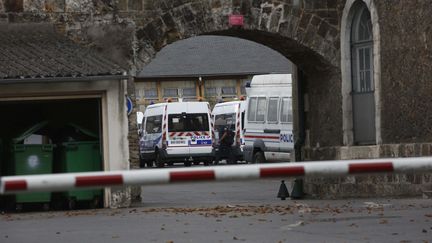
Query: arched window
363	99
362	51
361	71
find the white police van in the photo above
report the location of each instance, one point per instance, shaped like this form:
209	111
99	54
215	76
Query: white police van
269	119
176	132
231	114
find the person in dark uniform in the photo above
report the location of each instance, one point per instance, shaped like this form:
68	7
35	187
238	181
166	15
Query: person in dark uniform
225	143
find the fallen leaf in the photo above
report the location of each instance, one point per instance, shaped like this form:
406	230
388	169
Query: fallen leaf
299	223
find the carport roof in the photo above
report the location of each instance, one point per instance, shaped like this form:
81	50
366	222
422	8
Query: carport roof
36	51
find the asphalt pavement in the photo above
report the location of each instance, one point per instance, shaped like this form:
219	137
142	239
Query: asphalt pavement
228	212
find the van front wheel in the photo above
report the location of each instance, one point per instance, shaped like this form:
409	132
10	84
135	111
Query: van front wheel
258	157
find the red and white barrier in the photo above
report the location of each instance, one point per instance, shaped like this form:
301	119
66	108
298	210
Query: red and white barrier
60	182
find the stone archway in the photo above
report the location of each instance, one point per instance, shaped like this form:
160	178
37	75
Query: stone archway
299	32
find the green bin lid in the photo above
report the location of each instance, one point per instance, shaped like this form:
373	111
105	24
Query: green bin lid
27	133
35	128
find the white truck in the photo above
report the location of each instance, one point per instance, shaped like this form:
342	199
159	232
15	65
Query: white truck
269	119
176	132
230	114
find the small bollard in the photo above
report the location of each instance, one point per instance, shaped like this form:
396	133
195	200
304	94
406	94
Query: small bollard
297	192
283	191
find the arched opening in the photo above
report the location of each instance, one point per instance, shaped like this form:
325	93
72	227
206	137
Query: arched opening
309	40
316	123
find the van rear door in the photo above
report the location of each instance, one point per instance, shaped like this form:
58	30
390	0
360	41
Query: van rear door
188	130
178	139
200	140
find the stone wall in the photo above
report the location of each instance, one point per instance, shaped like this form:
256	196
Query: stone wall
406	65
383	185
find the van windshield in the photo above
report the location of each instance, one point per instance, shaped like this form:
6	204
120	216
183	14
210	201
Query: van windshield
153	124
188	122
225	120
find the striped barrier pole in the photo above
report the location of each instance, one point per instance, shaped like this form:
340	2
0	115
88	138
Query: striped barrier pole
67	181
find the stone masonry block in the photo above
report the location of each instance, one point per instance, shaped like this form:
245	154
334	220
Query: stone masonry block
122	5
304	20
425	150
410	152
316	21
135	5
417	149
54	5
323	29
13	5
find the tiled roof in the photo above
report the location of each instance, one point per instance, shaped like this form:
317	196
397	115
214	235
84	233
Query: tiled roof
213	56
29	51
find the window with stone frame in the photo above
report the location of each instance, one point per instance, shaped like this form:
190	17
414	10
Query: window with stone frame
362	52
362	76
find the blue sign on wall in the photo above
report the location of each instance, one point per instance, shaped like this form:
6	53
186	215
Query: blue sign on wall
129	105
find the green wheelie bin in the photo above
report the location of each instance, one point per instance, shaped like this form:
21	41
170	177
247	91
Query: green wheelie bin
81	156
30	159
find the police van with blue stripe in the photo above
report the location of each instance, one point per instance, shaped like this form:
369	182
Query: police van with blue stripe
175	132
268	129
